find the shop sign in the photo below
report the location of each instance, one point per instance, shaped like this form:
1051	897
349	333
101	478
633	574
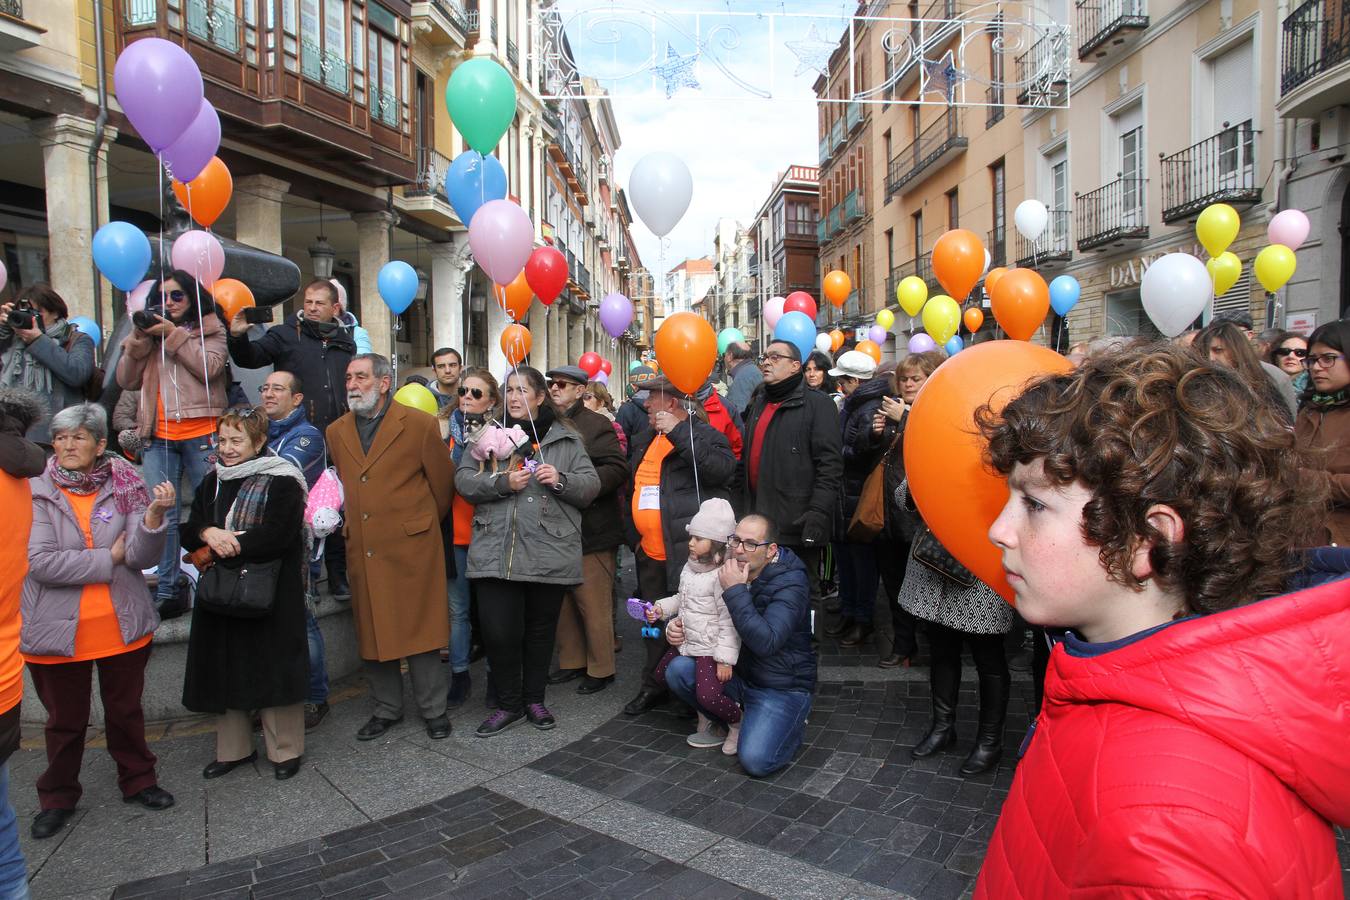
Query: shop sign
1131	271
1303	323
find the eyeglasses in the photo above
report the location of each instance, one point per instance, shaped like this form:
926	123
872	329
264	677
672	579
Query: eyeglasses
1323	361
273	389
561	383
245	412
773	357
1298	352
177	296
475	393
733	541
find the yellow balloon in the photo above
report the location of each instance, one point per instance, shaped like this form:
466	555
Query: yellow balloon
911	293
1217	227
941	318
1225	270
417	397
886	319
1274	266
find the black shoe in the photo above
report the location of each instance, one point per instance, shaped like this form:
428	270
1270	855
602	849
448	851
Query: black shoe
171	608
476	652
994	690
339	587
937	739
376	727
153	797
498	722
643	702
591	685
945	682
540	717
287	769
562	676
50	821
438	729
218	768
838	628
314	713
460	683
857	636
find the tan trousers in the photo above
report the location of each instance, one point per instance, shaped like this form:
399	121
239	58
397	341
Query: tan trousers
586	623
283	733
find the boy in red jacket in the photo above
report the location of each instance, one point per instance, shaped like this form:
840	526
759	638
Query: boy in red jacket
1192	741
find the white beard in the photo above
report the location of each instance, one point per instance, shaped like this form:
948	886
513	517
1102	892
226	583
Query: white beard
364	404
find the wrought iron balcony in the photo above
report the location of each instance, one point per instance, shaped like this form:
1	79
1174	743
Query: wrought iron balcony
12	8
1112	214
1102	23
921	266
825	147
512	54
835	222
852	207
139	12
384	108
837	134
324	66
492	32
1219	169
996	242
214	21
1052	249
936	145
431	170
853	115
445	19
1316	37
1043	70
821	236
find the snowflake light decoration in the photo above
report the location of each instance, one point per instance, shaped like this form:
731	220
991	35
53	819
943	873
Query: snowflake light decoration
677	71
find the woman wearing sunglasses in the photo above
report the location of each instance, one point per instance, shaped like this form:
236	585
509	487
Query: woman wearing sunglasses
1288	353
1323	424
176	357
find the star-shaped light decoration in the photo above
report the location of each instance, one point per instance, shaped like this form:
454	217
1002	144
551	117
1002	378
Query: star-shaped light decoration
942	76
677	71
813	54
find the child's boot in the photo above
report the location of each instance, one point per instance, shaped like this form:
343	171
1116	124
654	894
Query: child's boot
733	738
709	734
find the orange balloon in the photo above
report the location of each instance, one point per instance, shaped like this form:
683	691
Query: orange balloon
837	287
1020	302
871	349
686	348
206	196
958	262
232	295
516	343
515	297
944	452
973	318
991	278
836	340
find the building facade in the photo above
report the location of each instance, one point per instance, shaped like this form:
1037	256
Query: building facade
687	283
785	241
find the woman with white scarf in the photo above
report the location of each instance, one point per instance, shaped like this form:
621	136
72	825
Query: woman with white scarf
250	510
50	357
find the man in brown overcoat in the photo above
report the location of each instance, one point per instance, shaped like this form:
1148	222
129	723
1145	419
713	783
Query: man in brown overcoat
398	483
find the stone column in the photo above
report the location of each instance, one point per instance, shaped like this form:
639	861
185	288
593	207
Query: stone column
496	322
257	211
66	140
372	229
451	263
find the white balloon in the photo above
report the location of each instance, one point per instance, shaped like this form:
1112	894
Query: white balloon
823	343
1031	217
1175	290
660	188
987	260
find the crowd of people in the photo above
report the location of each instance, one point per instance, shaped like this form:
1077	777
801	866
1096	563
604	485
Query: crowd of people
1157	484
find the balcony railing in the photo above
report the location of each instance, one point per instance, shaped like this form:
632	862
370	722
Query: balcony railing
1054	246
139	12
1101	21
936	144
431	170
384	107
324	66
1316	37
835	222
1112	214
821	226
837	134
993	95
997	244
213	21
471	21
492	32
512	54
12	8
853	207
1044	67
454	12
1219	169
854	115
825	147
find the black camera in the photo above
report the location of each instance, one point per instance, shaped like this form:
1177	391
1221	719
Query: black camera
23	316
147	318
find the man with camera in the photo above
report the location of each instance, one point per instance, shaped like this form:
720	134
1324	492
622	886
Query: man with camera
43	353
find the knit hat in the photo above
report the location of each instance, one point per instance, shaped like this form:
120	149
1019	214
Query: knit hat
715	521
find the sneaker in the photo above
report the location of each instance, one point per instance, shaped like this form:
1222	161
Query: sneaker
708	735
314	713
733	738
540	717
498	722
460	682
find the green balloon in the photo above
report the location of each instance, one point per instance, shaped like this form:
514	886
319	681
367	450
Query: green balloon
635	364
727	337
481	99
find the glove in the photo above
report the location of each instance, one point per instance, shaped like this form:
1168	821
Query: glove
815	528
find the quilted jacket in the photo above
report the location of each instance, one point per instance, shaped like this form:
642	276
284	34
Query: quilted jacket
708	629
1205	760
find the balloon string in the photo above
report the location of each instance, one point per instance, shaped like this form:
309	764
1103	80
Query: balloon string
693	458
163	352
201	329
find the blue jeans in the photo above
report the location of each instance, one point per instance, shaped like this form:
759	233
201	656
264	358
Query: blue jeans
318	669
166	461
13	869
460	633
773	724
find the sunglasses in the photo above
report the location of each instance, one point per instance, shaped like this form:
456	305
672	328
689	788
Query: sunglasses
560	383
245	412
177	296
475	393
1299	353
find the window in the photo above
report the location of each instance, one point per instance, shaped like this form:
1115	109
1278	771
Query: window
388	68
886	144
953	210
323	43
1132	176
1231	106
998	179
890	251
917	233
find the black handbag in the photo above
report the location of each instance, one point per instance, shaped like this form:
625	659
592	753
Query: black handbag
929	551
246	592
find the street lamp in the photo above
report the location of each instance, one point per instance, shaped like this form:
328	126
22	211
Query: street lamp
321	253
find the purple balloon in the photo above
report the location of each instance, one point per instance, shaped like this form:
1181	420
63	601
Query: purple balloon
616	314
187	156
921	343
877	335
160	89
501	236
601	377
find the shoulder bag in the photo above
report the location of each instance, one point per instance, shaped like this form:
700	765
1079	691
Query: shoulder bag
869	518
929	551
244	592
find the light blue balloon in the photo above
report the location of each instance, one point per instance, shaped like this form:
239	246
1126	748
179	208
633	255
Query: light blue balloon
122	253
89	327
1064	292
472	180
955	345
798	329
398	285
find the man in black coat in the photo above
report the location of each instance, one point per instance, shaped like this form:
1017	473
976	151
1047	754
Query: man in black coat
792	464
632	414
317	348
586	622
677	464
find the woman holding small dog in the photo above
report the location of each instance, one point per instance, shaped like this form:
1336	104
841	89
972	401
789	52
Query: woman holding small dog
526	545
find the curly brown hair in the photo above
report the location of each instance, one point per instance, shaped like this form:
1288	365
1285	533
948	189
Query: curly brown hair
1156	425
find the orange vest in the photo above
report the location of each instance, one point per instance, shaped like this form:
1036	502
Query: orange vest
16	499
648	521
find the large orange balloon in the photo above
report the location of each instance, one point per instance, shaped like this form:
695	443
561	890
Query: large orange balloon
973	318
206	196
836	340
232	295
686	348
515	297
837	287
871	349
958	262
1020	302
944	452
991	278
516	343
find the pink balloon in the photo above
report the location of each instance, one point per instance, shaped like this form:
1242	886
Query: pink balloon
136	299
342	293
4	275
501	236
1289	227
200	255
773	311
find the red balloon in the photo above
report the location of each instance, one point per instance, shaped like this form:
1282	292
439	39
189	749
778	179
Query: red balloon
606	366
590	363
800	301
546	273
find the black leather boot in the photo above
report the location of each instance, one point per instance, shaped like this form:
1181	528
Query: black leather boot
988	750
945	680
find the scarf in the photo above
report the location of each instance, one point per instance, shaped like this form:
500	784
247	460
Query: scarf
777	393
21	368
457	435
129	493
1328	400
543	421
246	511
324	331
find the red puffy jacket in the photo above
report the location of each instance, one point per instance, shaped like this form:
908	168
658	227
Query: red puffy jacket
1205	760
719	418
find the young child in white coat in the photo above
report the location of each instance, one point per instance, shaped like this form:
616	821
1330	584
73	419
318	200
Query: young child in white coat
710	638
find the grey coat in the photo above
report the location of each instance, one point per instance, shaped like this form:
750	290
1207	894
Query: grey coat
742	380
59	566
533	534
70	372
